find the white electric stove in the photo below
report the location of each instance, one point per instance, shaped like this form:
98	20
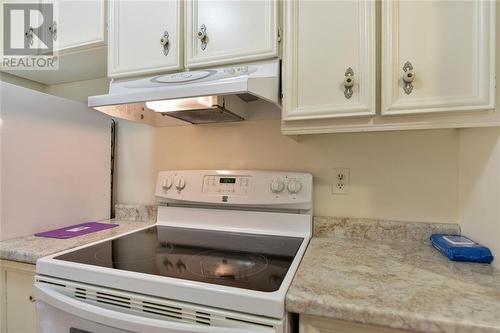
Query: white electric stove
220	259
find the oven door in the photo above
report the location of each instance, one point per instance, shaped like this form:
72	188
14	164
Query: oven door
60	313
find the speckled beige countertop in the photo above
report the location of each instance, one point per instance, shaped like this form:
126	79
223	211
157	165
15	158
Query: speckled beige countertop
30	248
406	284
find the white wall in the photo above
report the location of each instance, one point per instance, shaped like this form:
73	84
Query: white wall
479	179
135	163
55	162
479	208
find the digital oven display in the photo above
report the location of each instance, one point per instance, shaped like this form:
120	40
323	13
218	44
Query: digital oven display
227	180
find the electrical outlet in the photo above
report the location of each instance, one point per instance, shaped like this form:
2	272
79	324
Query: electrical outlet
341	181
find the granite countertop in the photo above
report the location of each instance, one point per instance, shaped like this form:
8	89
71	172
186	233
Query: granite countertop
348	274
30	248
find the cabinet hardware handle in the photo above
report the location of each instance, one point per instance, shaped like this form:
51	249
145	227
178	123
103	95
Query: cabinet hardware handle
53	30
408	77
348	82
165	42
28	34
202	36
32	299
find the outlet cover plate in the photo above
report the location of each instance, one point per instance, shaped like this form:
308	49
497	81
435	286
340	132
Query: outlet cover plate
341	183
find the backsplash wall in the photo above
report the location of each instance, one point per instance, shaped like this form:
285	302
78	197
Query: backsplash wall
410	175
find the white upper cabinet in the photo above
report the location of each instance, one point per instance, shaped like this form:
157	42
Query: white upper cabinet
228	31
328	59
437	56
77	29
77	24
144	37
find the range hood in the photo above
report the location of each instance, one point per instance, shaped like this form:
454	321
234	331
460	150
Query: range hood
196	97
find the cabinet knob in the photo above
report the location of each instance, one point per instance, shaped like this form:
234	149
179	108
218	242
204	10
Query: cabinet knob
348	82
53	30
32	299
408	77
28	34
202	36
165	42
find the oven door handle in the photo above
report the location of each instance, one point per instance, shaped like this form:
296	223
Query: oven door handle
120	320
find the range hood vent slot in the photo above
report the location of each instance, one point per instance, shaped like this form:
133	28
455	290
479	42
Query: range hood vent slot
205	116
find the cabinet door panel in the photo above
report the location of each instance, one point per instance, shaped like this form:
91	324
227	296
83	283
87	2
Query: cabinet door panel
79	23
17	307
313	324
236	31
322	40
16	30
450	45
21	313
136	28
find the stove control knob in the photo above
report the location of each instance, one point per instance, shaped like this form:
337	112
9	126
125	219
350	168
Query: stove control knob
277	185
167	183
180	183
294	186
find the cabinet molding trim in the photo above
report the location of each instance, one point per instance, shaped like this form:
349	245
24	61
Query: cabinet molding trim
393	123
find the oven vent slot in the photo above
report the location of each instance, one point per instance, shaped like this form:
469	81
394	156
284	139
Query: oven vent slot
112	299
81	293
176	313
162	310
52	283
203	318
248	322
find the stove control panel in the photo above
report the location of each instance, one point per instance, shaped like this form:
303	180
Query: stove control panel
236	187
221	184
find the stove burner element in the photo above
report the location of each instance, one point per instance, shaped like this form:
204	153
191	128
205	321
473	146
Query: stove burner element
216	264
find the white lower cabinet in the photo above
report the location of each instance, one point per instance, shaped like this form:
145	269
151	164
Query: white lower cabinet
312	324
17	303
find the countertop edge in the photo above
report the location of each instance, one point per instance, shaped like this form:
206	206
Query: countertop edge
404	320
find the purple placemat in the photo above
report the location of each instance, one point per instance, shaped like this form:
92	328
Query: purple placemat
76	230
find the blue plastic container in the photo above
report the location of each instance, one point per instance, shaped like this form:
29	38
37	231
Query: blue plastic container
460	248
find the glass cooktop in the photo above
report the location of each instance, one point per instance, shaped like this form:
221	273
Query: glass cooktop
249	261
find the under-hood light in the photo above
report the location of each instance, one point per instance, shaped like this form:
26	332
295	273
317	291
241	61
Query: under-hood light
181	104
